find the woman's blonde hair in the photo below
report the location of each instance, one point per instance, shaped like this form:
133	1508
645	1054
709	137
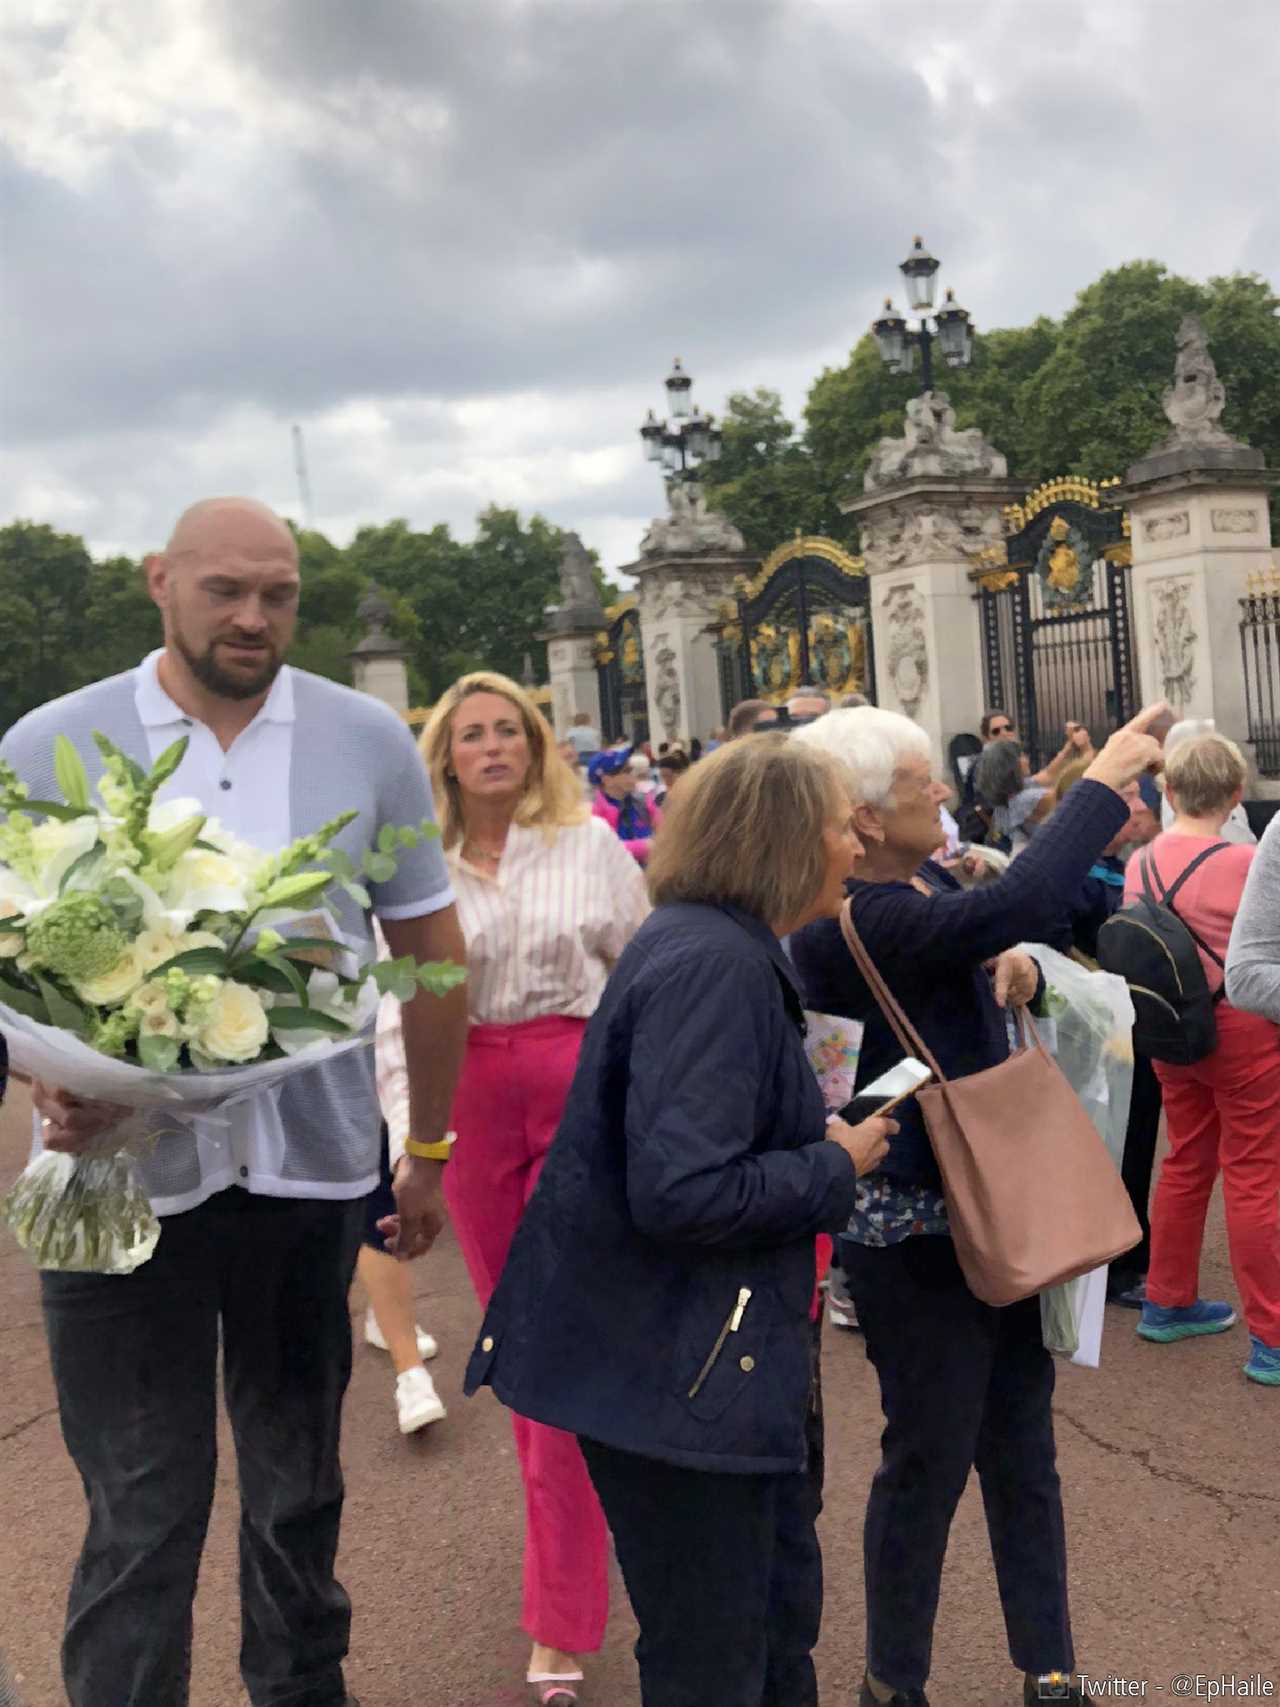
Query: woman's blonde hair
552	794
1205	772
745	827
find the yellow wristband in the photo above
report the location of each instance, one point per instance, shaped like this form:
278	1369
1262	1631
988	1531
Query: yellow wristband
437	1152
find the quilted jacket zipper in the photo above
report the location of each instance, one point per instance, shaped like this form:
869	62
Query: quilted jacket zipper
732	1323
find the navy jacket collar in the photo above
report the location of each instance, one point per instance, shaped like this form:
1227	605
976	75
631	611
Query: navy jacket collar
756	928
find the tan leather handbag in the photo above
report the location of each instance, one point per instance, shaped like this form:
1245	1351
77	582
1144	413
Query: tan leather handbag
1032	1195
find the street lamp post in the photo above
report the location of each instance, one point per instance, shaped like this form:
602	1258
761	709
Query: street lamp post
689	440
951	329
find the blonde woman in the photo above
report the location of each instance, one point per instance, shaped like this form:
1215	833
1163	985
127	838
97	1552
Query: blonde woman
548	898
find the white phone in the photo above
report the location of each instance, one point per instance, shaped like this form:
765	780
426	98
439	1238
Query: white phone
884	1094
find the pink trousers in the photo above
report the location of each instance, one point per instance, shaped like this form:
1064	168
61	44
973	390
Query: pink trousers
509	1101
1224	1116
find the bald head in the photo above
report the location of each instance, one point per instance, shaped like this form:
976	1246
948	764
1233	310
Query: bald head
227	587
245	520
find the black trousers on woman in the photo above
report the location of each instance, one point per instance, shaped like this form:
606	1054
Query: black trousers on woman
963	1386
724	1574
135	1360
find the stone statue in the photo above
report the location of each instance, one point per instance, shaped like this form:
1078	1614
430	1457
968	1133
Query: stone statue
690	526
577	573
1196	399
374	616
931	444
579	606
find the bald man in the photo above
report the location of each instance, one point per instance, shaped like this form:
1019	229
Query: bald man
261	1212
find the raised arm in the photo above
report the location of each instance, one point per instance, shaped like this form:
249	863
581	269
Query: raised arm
1253	959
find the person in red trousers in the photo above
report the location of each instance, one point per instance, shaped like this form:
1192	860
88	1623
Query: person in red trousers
548	898
1223	1112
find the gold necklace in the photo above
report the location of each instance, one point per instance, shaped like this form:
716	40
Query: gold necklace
494	854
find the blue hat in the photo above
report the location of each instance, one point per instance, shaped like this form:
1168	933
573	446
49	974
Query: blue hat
608	764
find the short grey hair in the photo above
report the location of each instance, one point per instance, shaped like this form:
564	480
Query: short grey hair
871	746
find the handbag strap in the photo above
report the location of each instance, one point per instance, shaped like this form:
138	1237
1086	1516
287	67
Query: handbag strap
902	1028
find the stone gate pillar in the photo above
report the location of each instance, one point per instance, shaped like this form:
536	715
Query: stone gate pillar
571	631
688	561
378	659
932	501
1200	528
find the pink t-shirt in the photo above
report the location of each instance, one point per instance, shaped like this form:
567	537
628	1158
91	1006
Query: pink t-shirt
1210	898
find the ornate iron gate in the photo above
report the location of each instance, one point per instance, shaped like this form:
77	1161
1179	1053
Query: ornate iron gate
804	619
1057	639
624	706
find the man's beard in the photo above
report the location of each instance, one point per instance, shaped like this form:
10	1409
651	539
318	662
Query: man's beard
204	667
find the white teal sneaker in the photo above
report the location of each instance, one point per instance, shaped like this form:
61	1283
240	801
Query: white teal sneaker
427	1347
417	1402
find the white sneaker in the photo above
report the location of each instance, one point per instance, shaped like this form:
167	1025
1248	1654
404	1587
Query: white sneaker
427	1347
417	1402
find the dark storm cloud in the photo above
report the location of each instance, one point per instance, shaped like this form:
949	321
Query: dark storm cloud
368	217
489	198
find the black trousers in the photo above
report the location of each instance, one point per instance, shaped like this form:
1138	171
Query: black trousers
962	1386
724	1574
1139	1161
135	1363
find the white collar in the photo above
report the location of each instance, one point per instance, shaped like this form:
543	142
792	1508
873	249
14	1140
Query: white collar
157	710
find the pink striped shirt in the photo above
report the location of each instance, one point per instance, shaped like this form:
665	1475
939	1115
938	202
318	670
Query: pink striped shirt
542	937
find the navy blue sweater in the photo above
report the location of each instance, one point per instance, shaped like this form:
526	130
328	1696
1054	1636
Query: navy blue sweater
930	951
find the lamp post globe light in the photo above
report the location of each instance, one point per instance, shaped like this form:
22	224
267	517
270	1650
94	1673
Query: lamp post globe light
689	439
951	327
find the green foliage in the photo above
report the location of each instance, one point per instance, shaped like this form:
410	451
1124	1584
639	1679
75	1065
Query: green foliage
1080	395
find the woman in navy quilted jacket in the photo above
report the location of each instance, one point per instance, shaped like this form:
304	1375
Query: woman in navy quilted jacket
657	1297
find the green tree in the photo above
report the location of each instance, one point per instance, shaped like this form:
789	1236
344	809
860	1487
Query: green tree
1080	395
767	481
44	588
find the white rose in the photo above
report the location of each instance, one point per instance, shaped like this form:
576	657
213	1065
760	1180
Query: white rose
149	999
234	1026
112	988
159	1022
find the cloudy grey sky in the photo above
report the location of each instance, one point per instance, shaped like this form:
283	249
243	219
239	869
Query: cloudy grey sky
459	241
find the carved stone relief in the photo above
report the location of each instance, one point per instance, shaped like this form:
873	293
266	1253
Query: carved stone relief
666	689
1234	521
903	535
692	592
1157	528
1175	637
907	663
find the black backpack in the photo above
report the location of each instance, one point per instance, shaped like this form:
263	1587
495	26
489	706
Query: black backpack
1153	949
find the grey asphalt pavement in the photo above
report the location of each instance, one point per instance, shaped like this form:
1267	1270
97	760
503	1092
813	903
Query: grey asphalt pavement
1168	1456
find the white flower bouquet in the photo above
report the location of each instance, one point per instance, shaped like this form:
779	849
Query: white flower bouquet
149	958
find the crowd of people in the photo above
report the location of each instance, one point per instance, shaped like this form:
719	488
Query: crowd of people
618	1116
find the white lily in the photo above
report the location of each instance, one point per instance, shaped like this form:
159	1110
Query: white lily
204	882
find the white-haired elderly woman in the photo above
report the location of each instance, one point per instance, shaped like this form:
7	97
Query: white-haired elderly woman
961	1384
